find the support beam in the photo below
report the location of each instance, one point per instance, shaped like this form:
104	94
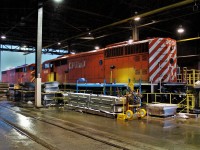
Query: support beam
0	68
152	12
135	33
38	56
38	95
199	64
18	48
152	87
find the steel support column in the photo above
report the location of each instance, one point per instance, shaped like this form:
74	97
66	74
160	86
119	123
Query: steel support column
0	68
135	33
199	63
38	56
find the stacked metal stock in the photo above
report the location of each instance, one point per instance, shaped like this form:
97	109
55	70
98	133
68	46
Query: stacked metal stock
50	90
4	87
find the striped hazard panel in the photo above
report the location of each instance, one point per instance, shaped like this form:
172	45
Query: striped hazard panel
162	60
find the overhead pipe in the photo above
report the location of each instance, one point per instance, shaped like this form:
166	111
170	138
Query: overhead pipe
185	2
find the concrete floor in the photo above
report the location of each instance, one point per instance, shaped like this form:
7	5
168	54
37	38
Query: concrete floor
148	133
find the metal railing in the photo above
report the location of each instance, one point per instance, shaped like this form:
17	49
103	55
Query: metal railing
184	101
189	76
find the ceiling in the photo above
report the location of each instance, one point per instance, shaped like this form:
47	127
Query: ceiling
108	21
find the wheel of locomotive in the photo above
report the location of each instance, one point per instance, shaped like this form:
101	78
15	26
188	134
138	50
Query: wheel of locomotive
129	115
142	113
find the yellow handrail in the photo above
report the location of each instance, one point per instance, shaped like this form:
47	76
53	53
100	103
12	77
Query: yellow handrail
187	101
188	76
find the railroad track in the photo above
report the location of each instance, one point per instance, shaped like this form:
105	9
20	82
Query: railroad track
99	136
28	135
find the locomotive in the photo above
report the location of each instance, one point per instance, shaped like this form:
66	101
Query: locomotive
150	61
19	74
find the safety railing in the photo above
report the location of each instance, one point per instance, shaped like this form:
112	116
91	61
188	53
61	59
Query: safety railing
184	101
188	76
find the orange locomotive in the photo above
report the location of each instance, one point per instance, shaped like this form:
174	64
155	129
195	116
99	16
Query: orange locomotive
20	74
149	60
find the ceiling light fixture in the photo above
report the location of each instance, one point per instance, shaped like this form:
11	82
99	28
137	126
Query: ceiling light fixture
3	37
58	1
59	43
137	18
180	29
73	53
96	47
130	41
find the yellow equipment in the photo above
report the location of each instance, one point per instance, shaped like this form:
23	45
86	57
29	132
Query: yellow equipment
122	116
132	111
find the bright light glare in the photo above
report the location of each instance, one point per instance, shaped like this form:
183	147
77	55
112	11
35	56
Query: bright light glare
137	18
73	53
96	47
58	1
59	43
130	41
3	37
24	46
24	121
180	30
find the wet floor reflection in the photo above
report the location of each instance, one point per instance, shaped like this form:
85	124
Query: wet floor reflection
10	139
168	133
